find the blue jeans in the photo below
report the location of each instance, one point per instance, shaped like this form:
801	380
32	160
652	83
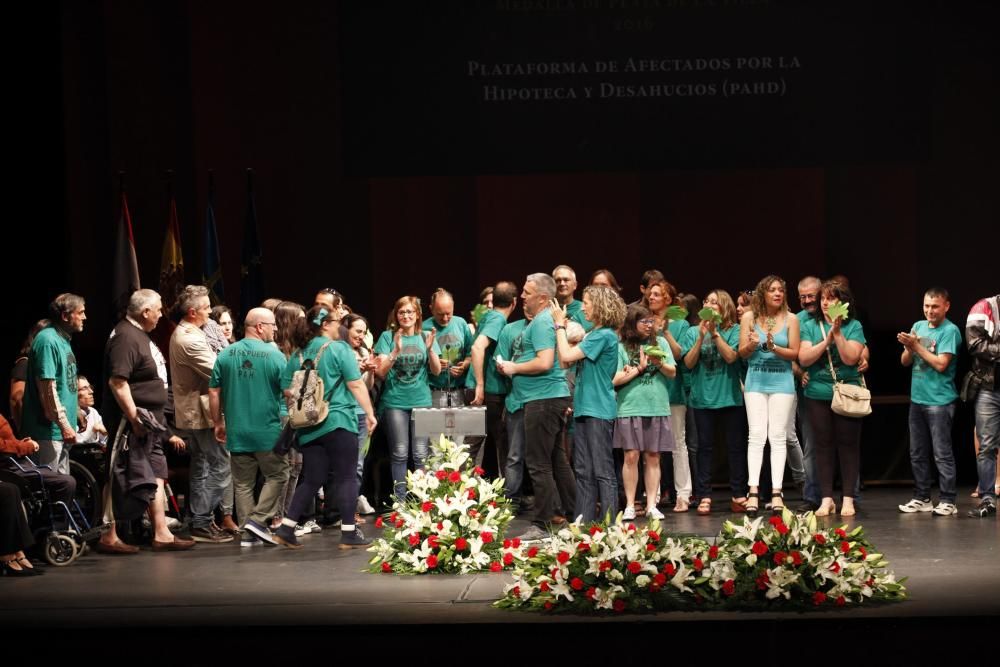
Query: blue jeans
211	473
594	466
812	492
987	409
734	425
362	436
930	431
514	467
398	431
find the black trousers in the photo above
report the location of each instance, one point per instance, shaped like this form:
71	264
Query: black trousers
15	535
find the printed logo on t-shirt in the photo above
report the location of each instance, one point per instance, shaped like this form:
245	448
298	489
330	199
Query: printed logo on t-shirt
919	365
161	363
246	369
409	363
451	347
517	347
71	371
711	360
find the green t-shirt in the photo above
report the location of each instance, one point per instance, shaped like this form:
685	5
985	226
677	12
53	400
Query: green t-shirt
676	384
490	325
927	386
509	344
249	374
406	386
337	366
595	394
820	385
714	383
540	335
455	341
51	358
648	395
574	311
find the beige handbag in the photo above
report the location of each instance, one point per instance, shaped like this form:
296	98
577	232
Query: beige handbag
848	400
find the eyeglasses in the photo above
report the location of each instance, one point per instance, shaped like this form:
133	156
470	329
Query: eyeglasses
648	320
273	324
406	312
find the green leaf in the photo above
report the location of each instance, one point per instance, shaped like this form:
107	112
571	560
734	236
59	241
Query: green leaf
675	313
478	312
707	313
838	310
655	351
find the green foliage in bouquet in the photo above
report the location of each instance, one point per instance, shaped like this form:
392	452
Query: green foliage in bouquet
675	313
838	310
655	351
707	313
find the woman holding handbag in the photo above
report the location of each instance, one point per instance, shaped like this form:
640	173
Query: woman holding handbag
830	351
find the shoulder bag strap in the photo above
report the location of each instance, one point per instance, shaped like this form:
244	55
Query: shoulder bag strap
829	357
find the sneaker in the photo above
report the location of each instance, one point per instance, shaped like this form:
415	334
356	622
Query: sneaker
210	534
285	535
534	534
364	507
309	526
629	513
916	505
259	531
654	513
248	539
945	509
986	508
354	539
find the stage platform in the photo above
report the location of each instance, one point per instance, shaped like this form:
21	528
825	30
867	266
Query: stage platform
953	565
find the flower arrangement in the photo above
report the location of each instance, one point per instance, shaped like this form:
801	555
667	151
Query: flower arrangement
620	567
452	520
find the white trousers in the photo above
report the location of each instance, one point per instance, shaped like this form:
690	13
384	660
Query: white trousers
767	417
682	469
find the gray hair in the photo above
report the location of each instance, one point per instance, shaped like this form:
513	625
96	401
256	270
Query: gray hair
64	304
189	297
140	300
810	281
544	283
564	267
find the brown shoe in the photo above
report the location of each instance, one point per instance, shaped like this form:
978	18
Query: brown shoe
738	505
557	520
119	548
178	544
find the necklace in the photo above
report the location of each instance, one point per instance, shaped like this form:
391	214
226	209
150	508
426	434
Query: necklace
769	323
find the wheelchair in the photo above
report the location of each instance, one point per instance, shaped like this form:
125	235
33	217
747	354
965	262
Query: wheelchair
58	545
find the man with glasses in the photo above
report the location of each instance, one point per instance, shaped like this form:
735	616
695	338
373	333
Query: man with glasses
91	425
244	394
811	497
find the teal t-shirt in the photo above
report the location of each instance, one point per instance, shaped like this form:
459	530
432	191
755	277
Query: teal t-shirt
455	341
676	384
648	395
337	366
820	385
406	386
490	325
574	311
595	393
767	373
249	374
927	386
540	335
51	358
714	383
509	345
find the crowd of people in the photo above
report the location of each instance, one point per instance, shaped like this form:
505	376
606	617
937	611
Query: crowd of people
585	401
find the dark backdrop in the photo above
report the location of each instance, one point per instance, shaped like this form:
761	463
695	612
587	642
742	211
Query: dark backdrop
190	86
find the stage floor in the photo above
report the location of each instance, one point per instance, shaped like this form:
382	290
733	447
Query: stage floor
953	565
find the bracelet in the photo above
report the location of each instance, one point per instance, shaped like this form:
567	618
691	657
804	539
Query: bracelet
560	326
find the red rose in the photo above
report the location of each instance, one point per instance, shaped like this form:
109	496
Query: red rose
478	471
432	541
864	552
871	582
441	475
713	552
594	530
604	566
619	605
461	544
845	547
782	528
506	543
634	567
591	592
698	564
472	494
841	601
427	506
762	581
414	540
774	520
379	523
496	566
562	557
508	558
473	513
576	583
393	517
554	572
583	546
729	587
516	591
440	525
493	503
835	568
631	529
779	557
544	587
841	533
819	597
759	548
669	569
455	477
400	523
819	539
516	542
487	536
653	535
386	567
796	558
432	561
654	588
548	606
532	552
650	547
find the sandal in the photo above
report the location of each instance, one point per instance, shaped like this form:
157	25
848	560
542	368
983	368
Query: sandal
738	505
751	507
358	519
777	507
682	505
705	506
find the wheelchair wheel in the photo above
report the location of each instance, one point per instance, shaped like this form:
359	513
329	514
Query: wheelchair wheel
88	492
60	550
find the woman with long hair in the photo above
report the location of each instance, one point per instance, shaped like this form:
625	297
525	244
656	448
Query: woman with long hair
717	398
287	315
357	327
644	417
769	341
838	343
223	316
329	448
19	374
594	405
405	358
